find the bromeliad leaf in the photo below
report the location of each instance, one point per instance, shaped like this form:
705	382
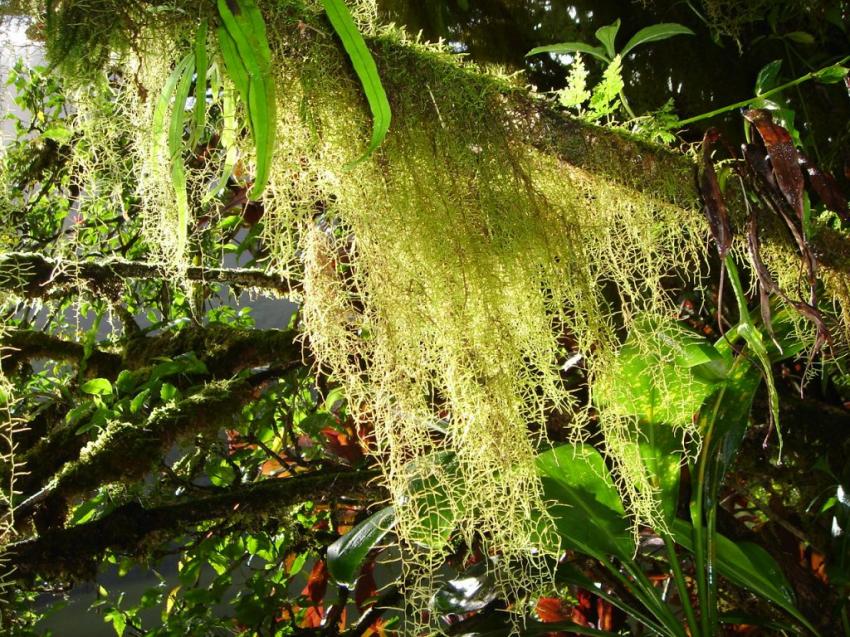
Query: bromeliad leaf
655	33
367	71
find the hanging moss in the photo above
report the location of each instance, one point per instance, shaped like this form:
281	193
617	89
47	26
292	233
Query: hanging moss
448	279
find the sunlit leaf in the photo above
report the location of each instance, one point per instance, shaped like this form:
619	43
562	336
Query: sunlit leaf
364	66
607	34
655	33
347	555
571	47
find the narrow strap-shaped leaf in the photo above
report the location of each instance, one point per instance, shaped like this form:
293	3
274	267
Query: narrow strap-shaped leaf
178	111
159	129
201	68
175	151
247	30
367	71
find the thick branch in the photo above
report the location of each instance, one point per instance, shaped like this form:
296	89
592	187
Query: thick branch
127	451
37	276
29	344
72	552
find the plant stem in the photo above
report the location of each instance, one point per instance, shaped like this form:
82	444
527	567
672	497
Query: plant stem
747	102
679	579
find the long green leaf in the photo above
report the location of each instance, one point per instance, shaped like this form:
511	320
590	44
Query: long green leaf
347	555
367	71
201	68
749	566
247	31
655	33
571	47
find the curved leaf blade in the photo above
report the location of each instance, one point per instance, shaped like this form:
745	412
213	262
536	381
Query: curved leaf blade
584	502
347	555
749	566
607	34
366	70
571	47
655	33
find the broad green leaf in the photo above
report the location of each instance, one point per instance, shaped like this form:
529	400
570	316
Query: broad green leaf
97	387
364	66
57	134
571	47
655	33
660	451
584	503
663	373
749	566
347	555
220	472
607	34
832	74
768	76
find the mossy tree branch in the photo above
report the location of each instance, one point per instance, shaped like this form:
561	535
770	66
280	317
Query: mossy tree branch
72	553
225	350
127	451
37	276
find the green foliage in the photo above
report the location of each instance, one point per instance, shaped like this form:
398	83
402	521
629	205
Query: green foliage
364	66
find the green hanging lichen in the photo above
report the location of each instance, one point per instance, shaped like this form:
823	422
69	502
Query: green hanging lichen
448	281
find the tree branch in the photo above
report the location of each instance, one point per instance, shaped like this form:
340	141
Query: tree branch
73	552
37	276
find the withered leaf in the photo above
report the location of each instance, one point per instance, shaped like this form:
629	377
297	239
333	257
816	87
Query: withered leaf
826	188
715	204
783	157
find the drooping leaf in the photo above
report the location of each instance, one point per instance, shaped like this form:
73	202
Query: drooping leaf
367	71
826	188
245	49
655	33
571	47
713	200
347	555
201	68
607	34
585	504
783	157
